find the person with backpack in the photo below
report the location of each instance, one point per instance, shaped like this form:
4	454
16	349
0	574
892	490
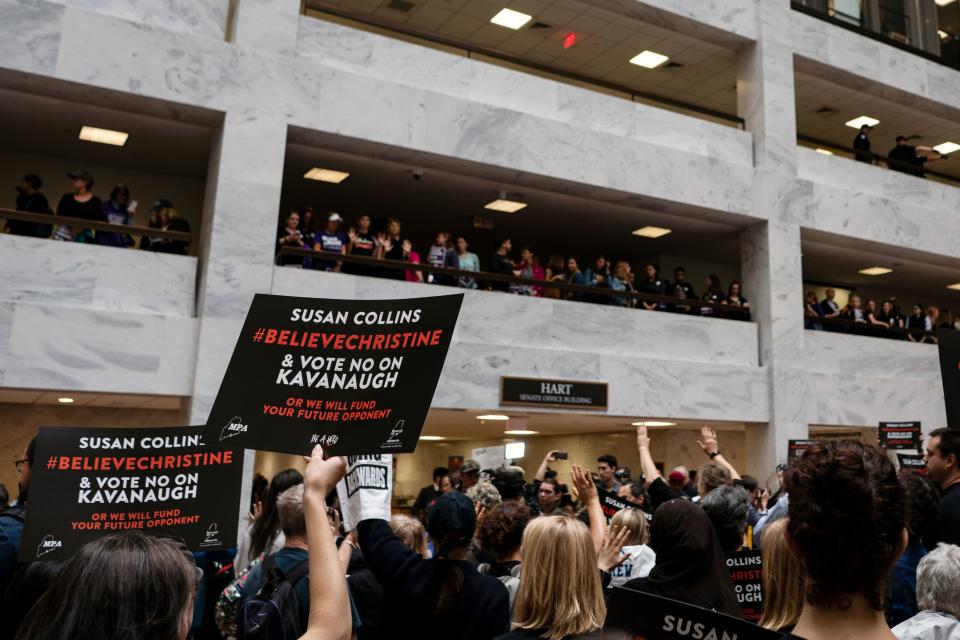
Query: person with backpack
281	581
500	534
11	519
293	593
440	597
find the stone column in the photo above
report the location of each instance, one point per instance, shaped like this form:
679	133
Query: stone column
771	252
236	252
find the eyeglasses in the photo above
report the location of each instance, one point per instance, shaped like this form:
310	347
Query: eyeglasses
19	464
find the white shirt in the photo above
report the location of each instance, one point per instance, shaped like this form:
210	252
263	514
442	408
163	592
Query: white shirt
638	565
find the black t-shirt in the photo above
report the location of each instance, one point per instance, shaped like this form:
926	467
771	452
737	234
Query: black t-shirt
948	529
657	287
285	259
92	209
32	203
683	289
173	246
503	265
363	245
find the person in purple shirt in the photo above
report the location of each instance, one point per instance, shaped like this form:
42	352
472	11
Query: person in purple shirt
332	240
116	210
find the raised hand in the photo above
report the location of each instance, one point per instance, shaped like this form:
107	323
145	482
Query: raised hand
321	476
643	438
583	485
610	556
709	442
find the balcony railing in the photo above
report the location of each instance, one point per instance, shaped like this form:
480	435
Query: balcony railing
582	293
94	225
844	325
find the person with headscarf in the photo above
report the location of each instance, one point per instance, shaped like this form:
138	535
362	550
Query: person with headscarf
440	597
690	564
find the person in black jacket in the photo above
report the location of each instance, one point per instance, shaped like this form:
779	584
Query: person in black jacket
440	597
861	145
428	494
30	199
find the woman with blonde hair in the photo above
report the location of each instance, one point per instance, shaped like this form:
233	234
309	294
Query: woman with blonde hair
560	594
783	581
640	557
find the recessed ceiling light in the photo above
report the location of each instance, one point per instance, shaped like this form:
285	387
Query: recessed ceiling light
510	19
65	400
858	122
506	206
326	175
431	438
955	287
520	432
104	136
944	3
875	271
649	59
493	416
825	152
653	423
946	147
651	232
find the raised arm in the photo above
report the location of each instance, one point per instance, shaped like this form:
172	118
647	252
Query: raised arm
711	447
587	494
329	604
650	471
542	469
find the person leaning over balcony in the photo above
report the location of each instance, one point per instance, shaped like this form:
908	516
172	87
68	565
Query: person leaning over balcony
174	223
436	255
854	310
554	273
916	322
574	275
682	289
331	240
811	311
157	220
361	243
930	324
117	210
530	269
501	263
861	145
652	284
466	261
621	280
889	316
30	199
308	231
289	235
714	294
910	159
735	299
79	204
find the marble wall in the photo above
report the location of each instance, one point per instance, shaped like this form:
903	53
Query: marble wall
73	274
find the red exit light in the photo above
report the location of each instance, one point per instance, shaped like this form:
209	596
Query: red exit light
570	40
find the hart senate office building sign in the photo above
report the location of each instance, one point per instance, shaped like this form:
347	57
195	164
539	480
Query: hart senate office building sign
567	394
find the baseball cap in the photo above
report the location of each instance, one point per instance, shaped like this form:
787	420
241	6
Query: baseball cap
81	175
452	513
162	203
677	476
470	466
334	217
508	480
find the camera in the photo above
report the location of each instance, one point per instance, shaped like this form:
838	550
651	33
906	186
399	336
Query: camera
561	455
417	174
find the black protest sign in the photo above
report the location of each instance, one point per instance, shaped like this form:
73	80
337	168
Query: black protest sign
948	343
899	435
355	376
643	616
611	503
795	449
88	483
746	573
912	461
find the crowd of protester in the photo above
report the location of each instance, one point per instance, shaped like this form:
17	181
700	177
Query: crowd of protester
903	157
850	549
81	202
302	229
884	320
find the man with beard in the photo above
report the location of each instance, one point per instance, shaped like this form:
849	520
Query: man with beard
11	520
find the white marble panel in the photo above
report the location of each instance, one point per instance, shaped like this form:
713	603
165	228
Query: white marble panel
31	35
74	274
508	321
899	187
850	355
834	46
203	18
392	60
737	17
637	386
55	347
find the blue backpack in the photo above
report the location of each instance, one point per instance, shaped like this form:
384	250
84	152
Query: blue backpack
274	613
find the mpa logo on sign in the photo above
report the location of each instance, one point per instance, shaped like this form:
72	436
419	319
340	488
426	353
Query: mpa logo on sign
48	544
211	537
393	442
233	428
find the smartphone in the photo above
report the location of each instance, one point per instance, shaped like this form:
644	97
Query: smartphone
560	455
